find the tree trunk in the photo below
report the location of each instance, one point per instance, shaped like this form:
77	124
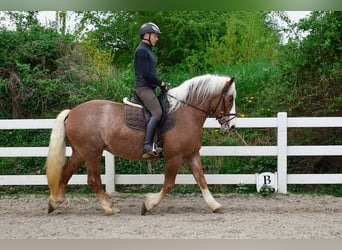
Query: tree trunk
14	86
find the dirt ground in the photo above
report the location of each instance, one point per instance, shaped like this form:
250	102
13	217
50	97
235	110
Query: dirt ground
177	217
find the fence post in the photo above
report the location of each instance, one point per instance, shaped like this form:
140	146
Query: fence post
282	152
109	172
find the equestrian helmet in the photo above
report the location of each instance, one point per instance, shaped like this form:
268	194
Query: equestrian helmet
149	28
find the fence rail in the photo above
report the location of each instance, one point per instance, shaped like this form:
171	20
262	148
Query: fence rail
281	151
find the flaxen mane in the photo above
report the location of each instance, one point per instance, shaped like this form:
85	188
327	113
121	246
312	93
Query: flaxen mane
197	90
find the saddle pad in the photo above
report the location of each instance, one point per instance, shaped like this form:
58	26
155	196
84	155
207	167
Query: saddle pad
135	119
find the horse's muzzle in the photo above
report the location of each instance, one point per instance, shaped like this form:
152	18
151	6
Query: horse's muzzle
227	123
226	127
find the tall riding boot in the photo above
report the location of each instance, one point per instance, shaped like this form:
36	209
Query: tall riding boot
148	149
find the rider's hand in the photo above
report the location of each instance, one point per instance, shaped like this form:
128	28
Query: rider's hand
163	87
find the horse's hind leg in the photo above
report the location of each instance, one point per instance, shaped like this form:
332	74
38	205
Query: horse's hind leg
72	164
94	181
75	161
153	200
196	167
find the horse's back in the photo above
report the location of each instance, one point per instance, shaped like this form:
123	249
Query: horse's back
95	110
91	118
94	105
99	124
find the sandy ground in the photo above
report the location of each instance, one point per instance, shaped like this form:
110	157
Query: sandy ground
177	217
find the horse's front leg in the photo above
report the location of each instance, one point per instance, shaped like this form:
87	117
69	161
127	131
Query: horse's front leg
152	200
195	165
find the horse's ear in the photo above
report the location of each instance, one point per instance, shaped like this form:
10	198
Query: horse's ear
229	83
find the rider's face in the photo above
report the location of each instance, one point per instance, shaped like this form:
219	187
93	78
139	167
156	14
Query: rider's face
153	38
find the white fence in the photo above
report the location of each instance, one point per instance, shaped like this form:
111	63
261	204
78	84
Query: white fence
281	151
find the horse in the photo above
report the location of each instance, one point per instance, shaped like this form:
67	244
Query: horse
98	125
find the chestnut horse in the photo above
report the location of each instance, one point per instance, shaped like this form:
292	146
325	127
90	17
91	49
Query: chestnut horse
98	125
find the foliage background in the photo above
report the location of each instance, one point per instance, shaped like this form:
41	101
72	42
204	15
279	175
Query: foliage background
45	69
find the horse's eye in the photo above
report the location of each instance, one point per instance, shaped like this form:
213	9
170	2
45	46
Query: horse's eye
231	99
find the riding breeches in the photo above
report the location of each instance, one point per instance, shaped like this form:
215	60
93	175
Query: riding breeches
150	100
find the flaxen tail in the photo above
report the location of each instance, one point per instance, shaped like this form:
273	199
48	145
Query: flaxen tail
56	155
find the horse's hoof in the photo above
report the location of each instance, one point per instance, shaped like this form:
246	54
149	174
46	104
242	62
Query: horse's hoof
50	208
111	210
143	209
219	210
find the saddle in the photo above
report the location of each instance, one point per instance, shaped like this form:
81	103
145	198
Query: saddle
136	116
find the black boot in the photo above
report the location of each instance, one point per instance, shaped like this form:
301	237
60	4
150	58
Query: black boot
149	147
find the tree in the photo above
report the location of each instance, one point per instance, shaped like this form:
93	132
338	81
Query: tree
27	63
322	48
184	33
312	66
23	20
248	38
192	40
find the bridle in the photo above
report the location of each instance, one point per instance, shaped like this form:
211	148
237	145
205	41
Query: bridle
221	118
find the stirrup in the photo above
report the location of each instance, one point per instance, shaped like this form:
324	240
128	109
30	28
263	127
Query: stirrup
156	150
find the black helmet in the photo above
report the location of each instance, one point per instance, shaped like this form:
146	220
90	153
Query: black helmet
149	28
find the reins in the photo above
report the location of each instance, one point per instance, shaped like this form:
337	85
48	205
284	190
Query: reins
219	118
186	103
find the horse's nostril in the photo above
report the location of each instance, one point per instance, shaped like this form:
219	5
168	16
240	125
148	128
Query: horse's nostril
232	127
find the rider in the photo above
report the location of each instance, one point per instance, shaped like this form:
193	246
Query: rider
146	81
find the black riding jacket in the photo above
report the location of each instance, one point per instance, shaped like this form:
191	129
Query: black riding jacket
145	67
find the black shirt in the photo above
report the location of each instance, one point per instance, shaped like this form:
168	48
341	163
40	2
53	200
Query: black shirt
145	67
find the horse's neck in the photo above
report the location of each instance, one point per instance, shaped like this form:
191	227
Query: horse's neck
190	113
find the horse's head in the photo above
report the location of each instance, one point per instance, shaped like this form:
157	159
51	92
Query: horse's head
209	94
223	107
